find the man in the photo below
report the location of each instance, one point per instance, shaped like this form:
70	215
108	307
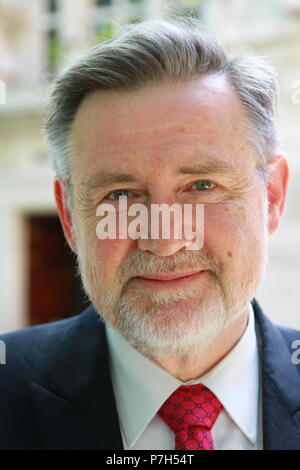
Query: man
184	357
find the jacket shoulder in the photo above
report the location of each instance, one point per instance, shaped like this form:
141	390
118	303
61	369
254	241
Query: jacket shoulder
44	340
37	354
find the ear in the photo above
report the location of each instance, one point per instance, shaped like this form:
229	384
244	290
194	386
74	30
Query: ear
277	189
60	192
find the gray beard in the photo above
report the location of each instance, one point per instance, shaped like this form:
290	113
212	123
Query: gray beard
169	323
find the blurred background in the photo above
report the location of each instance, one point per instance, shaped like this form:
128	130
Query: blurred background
37	40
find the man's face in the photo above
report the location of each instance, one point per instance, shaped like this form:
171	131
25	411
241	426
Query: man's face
180	143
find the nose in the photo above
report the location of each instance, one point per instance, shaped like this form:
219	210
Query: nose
166	234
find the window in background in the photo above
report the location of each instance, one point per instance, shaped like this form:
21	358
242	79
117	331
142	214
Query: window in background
100	3
52	6
54	43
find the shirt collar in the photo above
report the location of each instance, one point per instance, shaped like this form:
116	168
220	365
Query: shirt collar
234	380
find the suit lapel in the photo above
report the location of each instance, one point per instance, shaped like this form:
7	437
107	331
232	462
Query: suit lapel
76	408
280	385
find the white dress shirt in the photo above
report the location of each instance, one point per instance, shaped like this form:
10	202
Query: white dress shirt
141	387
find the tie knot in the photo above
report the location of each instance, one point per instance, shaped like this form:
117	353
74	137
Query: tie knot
190	405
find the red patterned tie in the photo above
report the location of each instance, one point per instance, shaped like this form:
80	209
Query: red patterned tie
191	412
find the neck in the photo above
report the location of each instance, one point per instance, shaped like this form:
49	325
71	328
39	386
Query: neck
192	367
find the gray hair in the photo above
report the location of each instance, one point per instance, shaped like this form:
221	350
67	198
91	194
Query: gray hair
155	51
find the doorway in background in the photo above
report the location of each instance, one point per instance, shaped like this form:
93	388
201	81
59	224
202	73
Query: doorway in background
55	291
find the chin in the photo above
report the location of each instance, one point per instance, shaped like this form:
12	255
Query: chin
174	328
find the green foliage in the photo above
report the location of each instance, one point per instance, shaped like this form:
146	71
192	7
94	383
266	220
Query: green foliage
54	50
103	32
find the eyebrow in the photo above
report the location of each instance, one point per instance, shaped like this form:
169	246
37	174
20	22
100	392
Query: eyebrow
208	168
104	179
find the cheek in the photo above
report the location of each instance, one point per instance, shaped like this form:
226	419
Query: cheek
233	228
103	257
109	256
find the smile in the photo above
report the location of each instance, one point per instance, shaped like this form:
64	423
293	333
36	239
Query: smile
162	281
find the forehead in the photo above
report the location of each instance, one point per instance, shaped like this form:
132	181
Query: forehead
158	125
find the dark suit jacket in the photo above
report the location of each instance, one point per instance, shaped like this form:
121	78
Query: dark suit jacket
56	392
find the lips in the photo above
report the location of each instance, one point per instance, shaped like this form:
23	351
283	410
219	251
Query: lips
158	282
167	277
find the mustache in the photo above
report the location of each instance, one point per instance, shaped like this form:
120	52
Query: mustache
147	263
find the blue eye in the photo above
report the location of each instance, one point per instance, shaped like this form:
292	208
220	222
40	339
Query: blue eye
203	185
118	193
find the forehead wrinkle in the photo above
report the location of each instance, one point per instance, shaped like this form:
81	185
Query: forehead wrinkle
155	133
124	131
153	142
111	110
